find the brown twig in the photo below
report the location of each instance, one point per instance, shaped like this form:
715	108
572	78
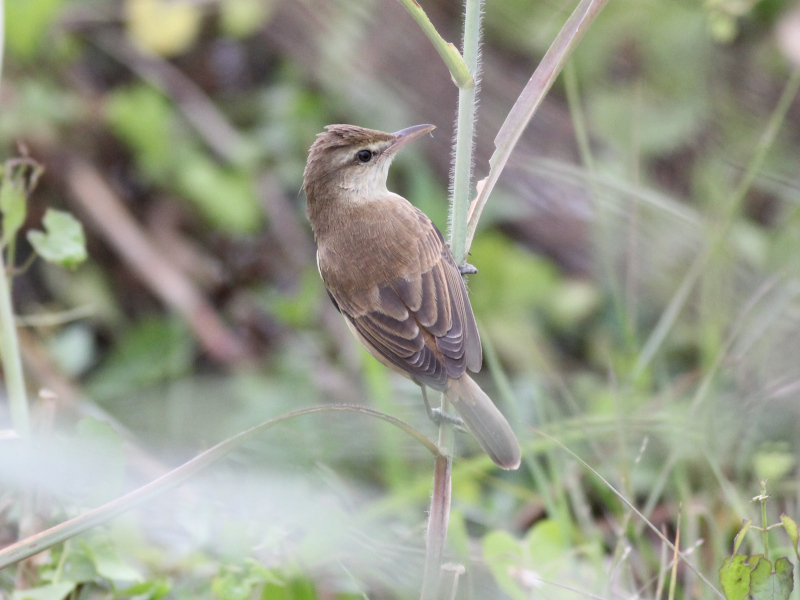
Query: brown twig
116	225
437	527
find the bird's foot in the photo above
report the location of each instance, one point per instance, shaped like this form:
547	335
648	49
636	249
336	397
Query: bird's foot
438	416
467	269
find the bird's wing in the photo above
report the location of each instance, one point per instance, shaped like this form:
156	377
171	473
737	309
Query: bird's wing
421	322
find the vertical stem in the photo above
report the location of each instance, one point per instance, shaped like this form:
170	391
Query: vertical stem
9	346
9	354
2	34
764	533
437	525
465	134
459	210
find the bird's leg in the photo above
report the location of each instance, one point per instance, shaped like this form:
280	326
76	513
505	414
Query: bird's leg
467	269
437	415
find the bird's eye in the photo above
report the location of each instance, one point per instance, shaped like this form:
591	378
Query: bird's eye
363	156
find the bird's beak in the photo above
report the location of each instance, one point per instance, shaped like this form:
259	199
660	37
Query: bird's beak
404	136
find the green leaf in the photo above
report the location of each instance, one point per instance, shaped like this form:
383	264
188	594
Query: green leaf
546	542
223	195
54	591
144	120
78	564
296	308
28	24
147	590
242	18
766	584
13	202
503	556
791	529
737	541
112	567
734	575
64	242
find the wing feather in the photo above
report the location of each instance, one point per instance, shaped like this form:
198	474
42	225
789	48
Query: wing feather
419	322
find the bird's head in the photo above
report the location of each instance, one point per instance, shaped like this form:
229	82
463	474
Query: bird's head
354	160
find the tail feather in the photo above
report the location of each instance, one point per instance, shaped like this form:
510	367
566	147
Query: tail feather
484	421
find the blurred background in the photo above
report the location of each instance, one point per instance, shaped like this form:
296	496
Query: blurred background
638	294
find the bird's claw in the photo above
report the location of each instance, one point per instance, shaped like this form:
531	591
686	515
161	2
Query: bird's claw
467	269
438	416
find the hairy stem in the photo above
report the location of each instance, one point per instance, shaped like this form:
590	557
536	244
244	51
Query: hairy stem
465	135
459	210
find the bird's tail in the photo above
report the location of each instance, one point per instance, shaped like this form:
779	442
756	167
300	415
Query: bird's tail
484	421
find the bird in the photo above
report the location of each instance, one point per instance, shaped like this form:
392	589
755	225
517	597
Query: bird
387	269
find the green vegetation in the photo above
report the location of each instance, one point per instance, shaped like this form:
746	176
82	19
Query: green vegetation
638	296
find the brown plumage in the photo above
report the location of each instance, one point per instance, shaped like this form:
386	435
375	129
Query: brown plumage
387	269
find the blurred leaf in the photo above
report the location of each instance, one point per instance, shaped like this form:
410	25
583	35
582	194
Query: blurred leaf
791	529
545	541
78	564
769	584
147	590
241	18
239	582
143	119
297	309
12	200
572	302
774	461
154	350
112	567
37	108
734	575
509	279
27	25
519	566
503	556
223	195
64	242
54	591
164	27
737	541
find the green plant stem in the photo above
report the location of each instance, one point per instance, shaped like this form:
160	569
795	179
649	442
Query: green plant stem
450	55
9	345
764	527
465	135
459	210
12	363
2	35
97	516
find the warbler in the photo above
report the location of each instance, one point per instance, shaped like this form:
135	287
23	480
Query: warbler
390	273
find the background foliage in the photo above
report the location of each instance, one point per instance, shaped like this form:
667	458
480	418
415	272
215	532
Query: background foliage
637	295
